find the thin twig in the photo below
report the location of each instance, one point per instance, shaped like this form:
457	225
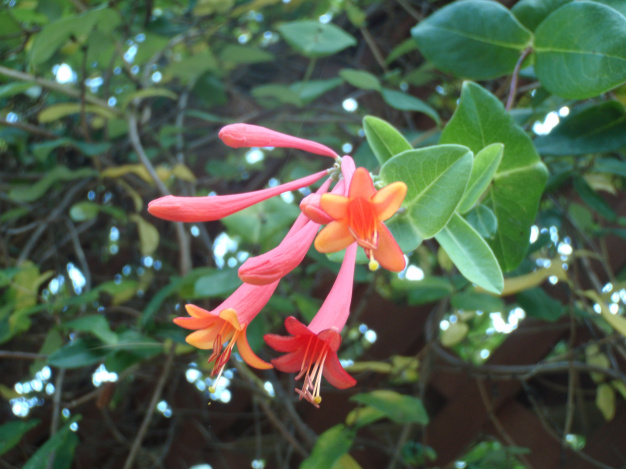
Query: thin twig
56	411
158	390
22	355
51	85
32	129
273	418
513	90
371	43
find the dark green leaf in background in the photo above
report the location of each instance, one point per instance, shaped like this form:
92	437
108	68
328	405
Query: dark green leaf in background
405	102
329	447
315	39
360	79
477	39
398	407
532	12
575	58
62	444
12	432
587	129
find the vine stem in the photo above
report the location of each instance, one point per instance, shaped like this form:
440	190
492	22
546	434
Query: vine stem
513	90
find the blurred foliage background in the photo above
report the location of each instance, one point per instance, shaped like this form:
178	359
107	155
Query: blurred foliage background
105	106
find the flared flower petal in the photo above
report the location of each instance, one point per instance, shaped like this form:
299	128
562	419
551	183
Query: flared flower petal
224	327
247	135
312	350
359	216
211	208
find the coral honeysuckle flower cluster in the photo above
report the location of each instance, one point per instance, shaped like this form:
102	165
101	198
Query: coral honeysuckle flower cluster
353	212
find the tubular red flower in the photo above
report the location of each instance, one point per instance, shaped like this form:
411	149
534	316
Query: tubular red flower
359	217
312	351
247	135
211	208
223	327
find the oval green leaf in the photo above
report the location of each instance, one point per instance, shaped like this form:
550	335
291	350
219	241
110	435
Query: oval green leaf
406	102
398	407
590	129
436	178
483	220
360	79
577	59
486	162
329	447
476	39
481	120
385	141
471	254
315	39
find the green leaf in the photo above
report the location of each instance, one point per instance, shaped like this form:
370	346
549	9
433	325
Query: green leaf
81	352
483	220
575	56
398	407
486	163
363	416
12	432
218	284
605	401
63	443
472	301
538	304
308	91
406	102
190	68
282	93
329	447
471	254
398	51
32	192
383	138
11	89
436	178
587	129
454	334
404	233
95	324
610	165
360	79
514	195
148	235
57	111
42	150
240	54
593	199
55	34
476	39
532	12
423	291
314	39
148	93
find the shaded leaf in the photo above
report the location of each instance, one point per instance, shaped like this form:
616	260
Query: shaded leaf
329	447
476	39
483	220
12	432
574	57
486	162
538	304
81	352
360	79
398	407
406	102
314	39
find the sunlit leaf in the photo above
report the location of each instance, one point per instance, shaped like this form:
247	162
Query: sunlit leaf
486	162
360	79
384	139
329	447
605	401
471	254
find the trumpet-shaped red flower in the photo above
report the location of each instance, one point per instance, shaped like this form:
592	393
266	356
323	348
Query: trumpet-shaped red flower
247	135
359	217
226	325
216	207
312	351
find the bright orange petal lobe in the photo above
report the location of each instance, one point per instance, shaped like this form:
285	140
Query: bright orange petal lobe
359	218
334	237
388	252
248	355
336	206
387	201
